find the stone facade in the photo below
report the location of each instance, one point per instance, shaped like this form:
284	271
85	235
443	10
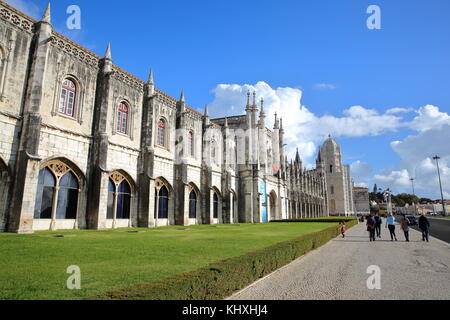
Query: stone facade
339	181
86	145
362	200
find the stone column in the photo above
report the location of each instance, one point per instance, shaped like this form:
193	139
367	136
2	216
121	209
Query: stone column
28	161
151	204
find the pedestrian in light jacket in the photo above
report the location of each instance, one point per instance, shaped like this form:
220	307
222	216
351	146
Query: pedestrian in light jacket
390	223
424	225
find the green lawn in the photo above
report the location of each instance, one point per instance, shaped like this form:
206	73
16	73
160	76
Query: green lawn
34	266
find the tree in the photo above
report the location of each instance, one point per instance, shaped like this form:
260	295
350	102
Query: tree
408	198
375	188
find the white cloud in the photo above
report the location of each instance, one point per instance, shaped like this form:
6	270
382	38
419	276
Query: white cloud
393	179
429	117
303	128
325	86
307	131
416	153
399	110
360	172
362	185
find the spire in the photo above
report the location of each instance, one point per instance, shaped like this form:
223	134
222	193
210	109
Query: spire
150	77
277	123
150	84
206	120
182	99
281	125
297	157
47	16
108	68
254	100
319	158
248	98
262	107
108	52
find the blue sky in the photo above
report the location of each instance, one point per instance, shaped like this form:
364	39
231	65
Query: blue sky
321	49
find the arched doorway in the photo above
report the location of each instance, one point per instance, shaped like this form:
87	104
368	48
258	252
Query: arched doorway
57	195
272	205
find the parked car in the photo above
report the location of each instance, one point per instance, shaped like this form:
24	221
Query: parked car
412	221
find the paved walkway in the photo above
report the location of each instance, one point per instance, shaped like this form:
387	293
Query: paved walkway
338	271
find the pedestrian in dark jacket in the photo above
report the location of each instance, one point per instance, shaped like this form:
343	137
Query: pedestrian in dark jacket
424	225
371	225
405	226
378	223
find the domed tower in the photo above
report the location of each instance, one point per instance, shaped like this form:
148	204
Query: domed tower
339	183
331	156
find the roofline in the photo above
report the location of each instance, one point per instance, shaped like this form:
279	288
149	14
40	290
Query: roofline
24	15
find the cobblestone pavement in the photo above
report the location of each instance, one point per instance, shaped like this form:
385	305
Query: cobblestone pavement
338	271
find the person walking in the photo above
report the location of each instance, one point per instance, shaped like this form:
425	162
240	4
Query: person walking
379	223
371	225
424	225
343	230
390	223
405	226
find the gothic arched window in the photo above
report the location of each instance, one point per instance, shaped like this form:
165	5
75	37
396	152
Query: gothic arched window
190	144
193	205
213	152
67	98
123	112
123	201
44	196
161	134
67	197
215	206
57	184
119	197
162	203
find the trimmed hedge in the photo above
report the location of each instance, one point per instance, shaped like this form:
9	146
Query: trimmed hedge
333	220
221	279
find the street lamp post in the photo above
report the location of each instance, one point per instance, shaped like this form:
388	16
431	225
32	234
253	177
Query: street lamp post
437	158
414	194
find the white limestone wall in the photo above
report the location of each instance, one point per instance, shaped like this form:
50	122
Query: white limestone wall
120	158
55	143
164	168
9	142
194	175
